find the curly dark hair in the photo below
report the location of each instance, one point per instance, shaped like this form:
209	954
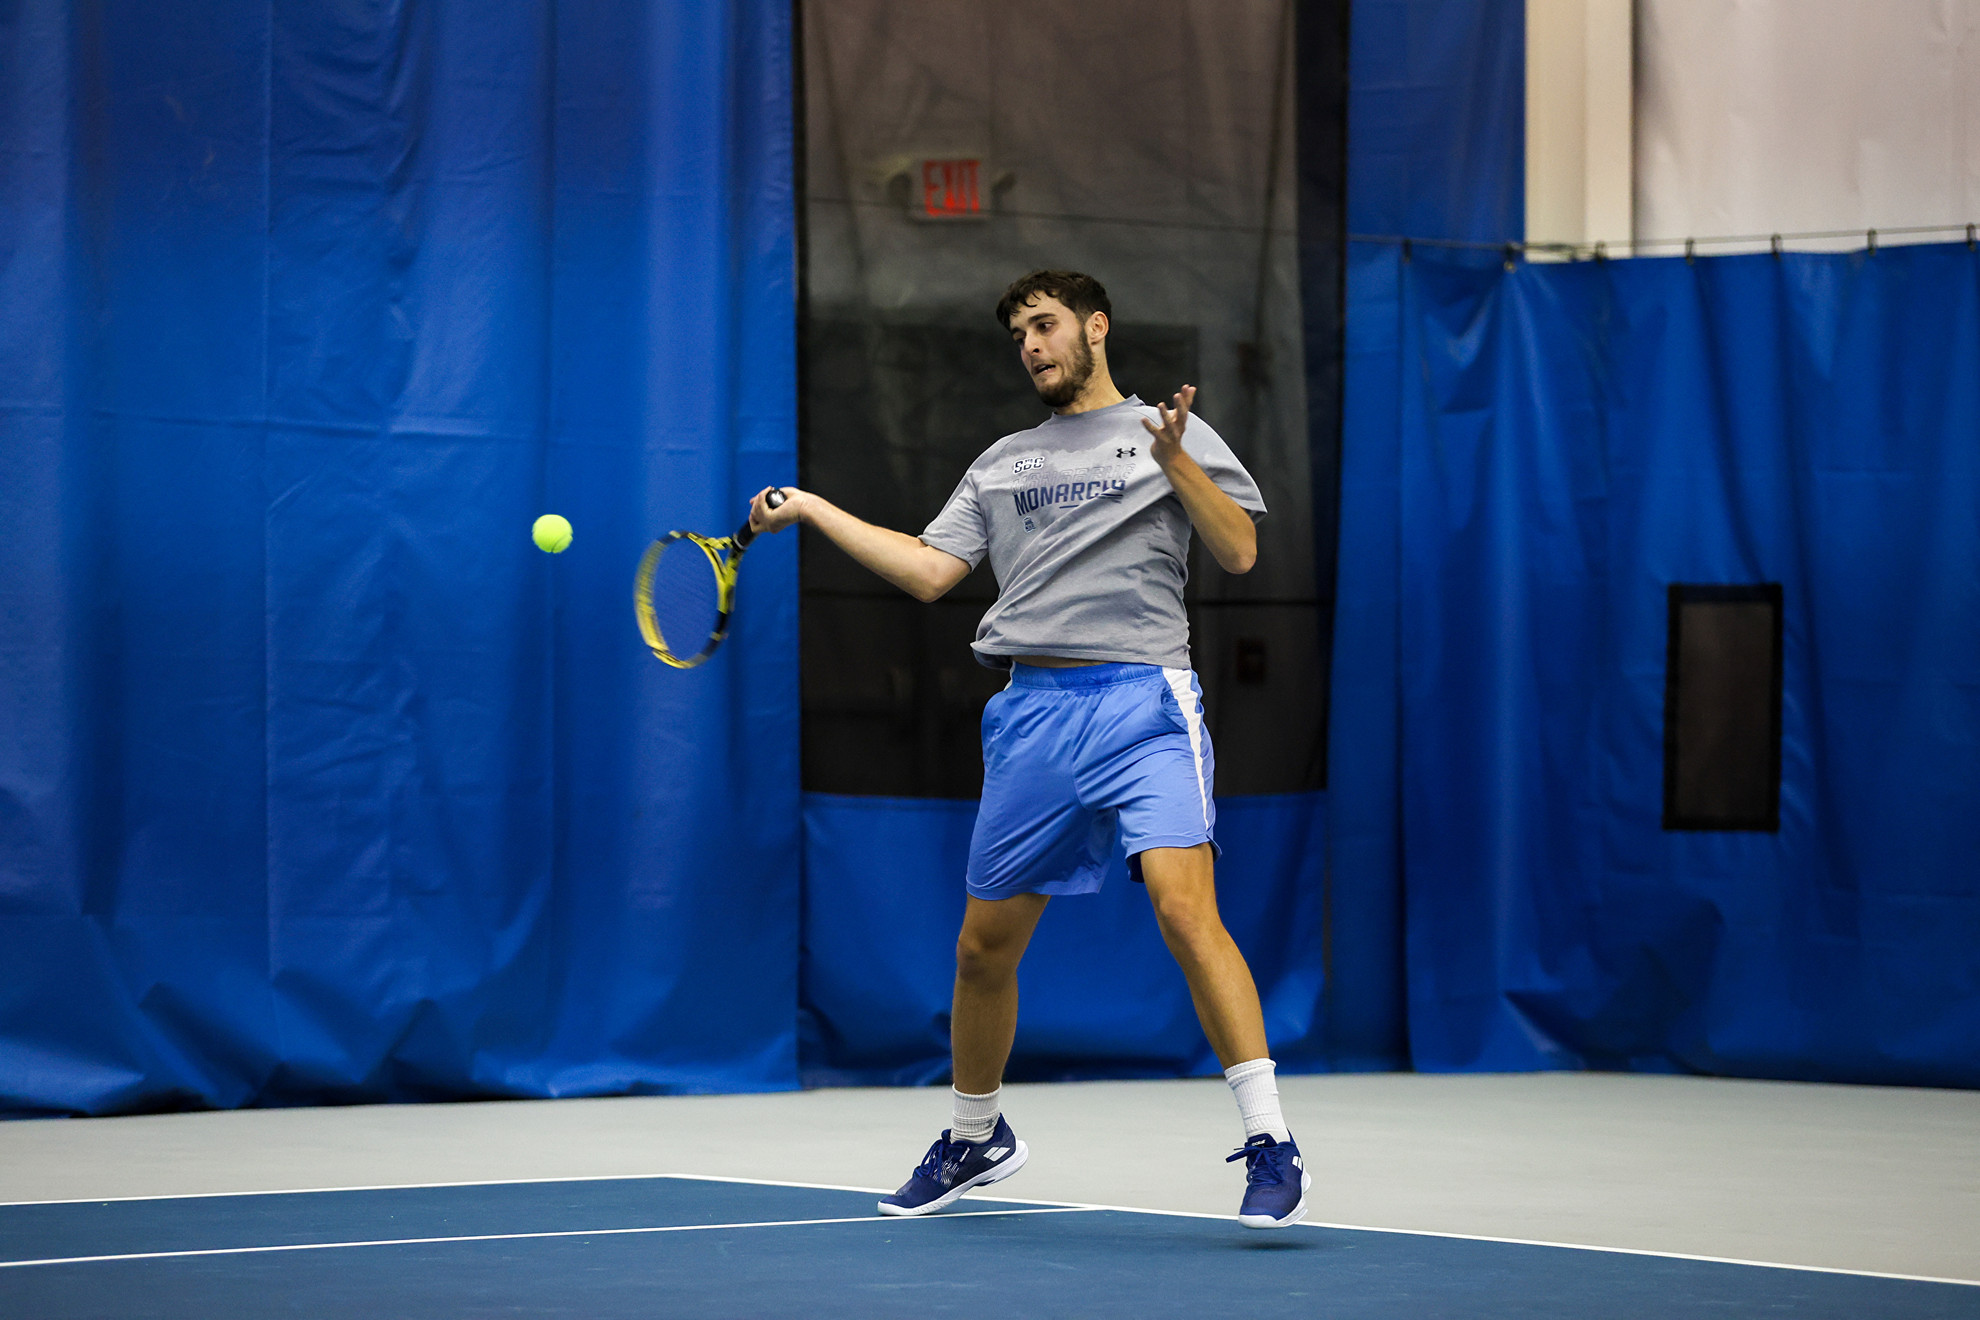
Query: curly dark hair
1082	294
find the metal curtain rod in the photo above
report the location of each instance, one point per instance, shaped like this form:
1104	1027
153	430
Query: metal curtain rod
1600	248
1069	217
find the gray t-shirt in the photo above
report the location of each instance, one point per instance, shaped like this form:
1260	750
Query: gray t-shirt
1087	538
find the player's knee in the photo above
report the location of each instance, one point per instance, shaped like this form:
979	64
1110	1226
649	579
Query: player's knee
1187	920
981	957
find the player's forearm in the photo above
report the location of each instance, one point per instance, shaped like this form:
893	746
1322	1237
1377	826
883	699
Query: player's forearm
906	561
1226	529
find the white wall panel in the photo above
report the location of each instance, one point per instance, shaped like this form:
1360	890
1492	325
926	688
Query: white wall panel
1579	118
1782	116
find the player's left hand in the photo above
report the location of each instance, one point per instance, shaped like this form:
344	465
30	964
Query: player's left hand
1168	436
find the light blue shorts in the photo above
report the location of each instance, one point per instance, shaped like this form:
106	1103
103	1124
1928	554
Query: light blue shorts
1070	756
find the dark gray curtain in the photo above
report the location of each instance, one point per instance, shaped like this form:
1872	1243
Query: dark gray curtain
1151	145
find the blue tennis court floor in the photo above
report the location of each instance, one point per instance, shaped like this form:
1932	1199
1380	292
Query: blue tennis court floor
668	1246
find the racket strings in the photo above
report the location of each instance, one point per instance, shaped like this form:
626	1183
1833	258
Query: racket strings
686	599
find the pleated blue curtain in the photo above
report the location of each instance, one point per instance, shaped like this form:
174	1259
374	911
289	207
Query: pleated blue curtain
317	781
1574	440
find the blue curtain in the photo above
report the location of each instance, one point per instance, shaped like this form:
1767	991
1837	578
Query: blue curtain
317	781
1436	149
1575	438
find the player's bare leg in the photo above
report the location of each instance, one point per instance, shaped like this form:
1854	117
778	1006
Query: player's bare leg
983	1018
1183	887
1182	884
979	1148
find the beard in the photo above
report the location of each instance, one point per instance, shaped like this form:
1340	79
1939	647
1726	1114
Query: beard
1072	381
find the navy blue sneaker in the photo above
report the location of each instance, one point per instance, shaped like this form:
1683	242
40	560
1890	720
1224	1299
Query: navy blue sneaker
953	1167
1275	1182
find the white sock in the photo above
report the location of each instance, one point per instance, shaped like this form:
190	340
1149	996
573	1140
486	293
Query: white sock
1257	1091
976	1116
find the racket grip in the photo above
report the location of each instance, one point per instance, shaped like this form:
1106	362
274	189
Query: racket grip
746	533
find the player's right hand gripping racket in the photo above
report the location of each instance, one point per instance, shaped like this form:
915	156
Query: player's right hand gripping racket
686	587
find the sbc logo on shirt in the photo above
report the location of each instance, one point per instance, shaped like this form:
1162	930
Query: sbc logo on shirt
1031	464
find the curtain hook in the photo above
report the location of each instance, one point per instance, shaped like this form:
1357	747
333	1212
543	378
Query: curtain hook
1690	249
1512	255
1405	249
1970	234
1777	245
1601	252
1873	242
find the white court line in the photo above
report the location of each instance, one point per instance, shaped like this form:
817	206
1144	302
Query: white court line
1400	1232
469	1182
1524	1242
517	1237
1014	1200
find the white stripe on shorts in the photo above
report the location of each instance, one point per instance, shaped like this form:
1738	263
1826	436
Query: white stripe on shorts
1185	693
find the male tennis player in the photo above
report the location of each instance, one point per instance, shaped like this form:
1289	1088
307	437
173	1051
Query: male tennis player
1087	521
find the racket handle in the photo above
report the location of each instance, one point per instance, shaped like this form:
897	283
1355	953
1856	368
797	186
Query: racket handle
746	534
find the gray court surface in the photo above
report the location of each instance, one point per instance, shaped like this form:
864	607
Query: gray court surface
1869	1179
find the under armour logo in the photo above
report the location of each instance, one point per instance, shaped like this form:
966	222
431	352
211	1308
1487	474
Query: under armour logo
1124	453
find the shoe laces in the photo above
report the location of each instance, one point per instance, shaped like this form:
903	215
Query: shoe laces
1264	1159
944	1152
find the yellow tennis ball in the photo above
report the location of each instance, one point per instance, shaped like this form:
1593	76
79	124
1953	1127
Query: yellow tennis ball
552	533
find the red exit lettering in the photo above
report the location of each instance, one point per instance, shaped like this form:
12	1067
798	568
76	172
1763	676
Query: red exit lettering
948	189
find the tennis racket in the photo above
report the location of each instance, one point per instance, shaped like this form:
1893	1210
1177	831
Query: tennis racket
686	587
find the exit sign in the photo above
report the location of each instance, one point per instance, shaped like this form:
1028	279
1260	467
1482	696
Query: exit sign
949	190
